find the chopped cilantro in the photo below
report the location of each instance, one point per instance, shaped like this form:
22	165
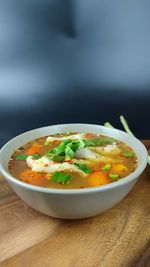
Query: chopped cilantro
113	175
128	154
59	149
66	150
69	153
21	157
59	177
24	157
83	167
57	158
106	167
89	142
36	156
99	141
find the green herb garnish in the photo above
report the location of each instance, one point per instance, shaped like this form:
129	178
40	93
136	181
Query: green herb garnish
99	141
83	167
69	153
57	158
66	150
46	143
24	157
57	153
59	177
59	149
21	157
106	167
113	175
128	154
36	156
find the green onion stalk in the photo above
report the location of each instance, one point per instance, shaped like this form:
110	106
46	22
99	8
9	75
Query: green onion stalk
126	128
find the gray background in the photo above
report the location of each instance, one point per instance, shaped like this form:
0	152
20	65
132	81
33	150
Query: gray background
74	61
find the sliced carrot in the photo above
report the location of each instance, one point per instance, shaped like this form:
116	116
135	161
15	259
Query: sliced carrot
98	178
119	168
32	177
96	168
57	142
89	136
48	176
34	149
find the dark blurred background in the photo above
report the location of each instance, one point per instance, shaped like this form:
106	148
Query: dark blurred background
74	61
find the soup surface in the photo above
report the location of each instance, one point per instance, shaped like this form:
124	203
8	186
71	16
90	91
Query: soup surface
72	161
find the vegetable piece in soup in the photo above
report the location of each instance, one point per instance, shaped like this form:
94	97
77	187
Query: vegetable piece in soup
72	161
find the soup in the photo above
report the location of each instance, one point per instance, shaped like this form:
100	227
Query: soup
72	161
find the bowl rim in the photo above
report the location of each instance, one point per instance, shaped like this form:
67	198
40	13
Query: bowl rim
133	176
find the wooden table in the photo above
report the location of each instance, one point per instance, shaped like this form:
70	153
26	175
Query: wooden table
119	237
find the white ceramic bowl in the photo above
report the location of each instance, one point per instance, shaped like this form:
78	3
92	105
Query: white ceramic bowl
72	203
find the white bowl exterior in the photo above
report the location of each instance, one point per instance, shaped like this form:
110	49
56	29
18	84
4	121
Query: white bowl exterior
74	203
75	206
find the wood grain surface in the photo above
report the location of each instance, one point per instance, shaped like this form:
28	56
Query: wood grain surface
119	237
